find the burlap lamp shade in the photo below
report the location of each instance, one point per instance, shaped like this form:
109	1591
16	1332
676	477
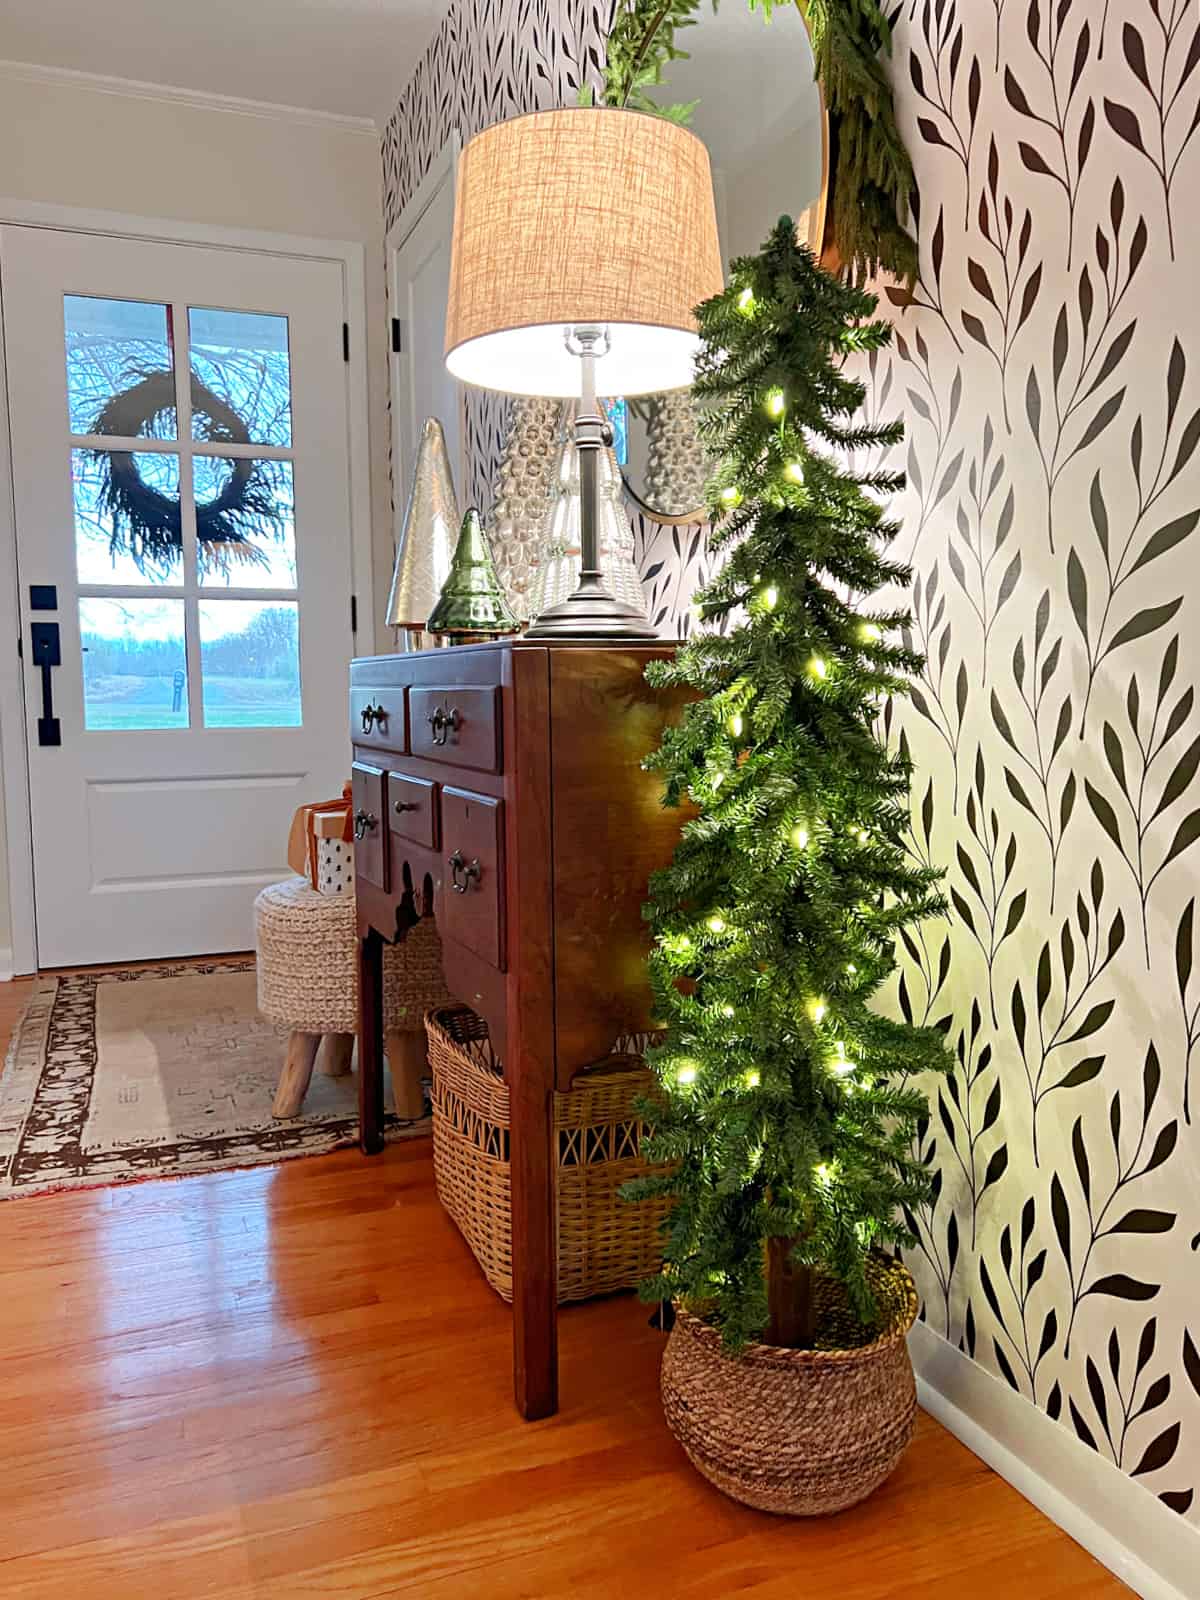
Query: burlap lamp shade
583	216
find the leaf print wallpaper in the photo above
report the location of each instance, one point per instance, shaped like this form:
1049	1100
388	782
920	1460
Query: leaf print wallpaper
1048	370
1049	375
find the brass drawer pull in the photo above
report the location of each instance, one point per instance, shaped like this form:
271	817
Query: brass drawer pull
444	723
471	870
365	822
374	716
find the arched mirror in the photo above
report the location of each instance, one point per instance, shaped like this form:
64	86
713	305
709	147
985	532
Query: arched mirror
761	114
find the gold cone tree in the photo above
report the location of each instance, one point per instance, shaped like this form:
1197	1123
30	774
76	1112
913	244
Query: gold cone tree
431	523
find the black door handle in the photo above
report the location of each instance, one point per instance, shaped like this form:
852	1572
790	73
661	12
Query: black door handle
47	654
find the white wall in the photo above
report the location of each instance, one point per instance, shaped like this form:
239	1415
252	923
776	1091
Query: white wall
68	142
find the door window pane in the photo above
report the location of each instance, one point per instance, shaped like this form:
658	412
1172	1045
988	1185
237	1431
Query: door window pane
245	524
120	367
241	377
134	664
250	659
126	517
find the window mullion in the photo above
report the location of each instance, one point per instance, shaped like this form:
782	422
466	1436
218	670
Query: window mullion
187	513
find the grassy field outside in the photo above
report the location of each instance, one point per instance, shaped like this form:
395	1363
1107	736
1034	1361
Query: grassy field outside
125	702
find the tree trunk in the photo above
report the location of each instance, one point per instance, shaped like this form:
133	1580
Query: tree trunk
793	1321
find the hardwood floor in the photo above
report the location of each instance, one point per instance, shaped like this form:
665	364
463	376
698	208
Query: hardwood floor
294	1382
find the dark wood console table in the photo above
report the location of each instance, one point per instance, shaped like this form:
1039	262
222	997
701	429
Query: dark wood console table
499	788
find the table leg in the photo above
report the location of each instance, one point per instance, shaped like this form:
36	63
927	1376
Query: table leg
535	1250
370	1042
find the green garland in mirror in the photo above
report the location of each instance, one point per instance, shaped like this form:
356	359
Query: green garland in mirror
873	184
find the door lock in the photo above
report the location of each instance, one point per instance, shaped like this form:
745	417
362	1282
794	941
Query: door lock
47	654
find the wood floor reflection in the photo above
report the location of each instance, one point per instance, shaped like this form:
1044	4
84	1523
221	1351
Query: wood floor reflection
294	1382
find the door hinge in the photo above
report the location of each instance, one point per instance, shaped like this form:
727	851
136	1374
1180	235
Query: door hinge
345	341
397	336
353	613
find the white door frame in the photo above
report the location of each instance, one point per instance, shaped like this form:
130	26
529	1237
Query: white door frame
14	751
443	165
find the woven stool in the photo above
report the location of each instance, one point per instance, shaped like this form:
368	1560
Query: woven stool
308	980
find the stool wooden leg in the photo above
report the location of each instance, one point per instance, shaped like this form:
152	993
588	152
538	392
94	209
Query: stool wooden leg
409	1063
335	1057
296	1074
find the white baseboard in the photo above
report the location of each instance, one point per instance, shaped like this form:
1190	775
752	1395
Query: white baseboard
6	965
1120	1522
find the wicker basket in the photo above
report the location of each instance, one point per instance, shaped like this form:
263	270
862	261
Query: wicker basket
801	1432
604	1242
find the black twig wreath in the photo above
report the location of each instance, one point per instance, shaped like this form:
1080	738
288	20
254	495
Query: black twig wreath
147	524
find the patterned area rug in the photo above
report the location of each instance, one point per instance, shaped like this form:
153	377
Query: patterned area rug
155	1072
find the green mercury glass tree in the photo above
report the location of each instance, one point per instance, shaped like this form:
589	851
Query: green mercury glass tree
472	604
789	1102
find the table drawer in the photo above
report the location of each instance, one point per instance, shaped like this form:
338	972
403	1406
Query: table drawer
377	718
370	830
458	726
412	808
472	901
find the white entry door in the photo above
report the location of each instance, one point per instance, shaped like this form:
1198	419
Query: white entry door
419	292
178	419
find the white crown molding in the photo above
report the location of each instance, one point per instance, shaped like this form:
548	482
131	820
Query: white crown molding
134	88
1113	1516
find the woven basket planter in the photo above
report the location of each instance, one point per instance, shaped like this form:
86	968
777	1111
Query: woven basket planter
604	1242
800	1432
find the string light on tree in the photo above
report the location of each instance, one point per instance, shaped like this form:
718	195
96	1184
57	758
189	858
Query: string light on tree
803	768
870	633
746	301
716	924
686	1073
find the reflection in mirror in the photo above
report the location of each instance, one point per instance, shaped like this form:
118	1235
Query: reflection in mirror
759	112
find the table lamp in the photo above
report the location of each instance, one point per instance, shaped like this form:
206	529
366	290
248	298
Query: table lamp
583	241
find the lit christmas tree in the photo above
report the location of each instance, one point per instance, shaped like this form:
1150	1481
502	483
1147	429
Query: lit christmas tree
789	1107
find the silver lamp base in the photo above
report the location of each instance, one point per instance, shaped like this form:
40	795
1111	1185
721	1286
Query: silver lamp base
591	613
